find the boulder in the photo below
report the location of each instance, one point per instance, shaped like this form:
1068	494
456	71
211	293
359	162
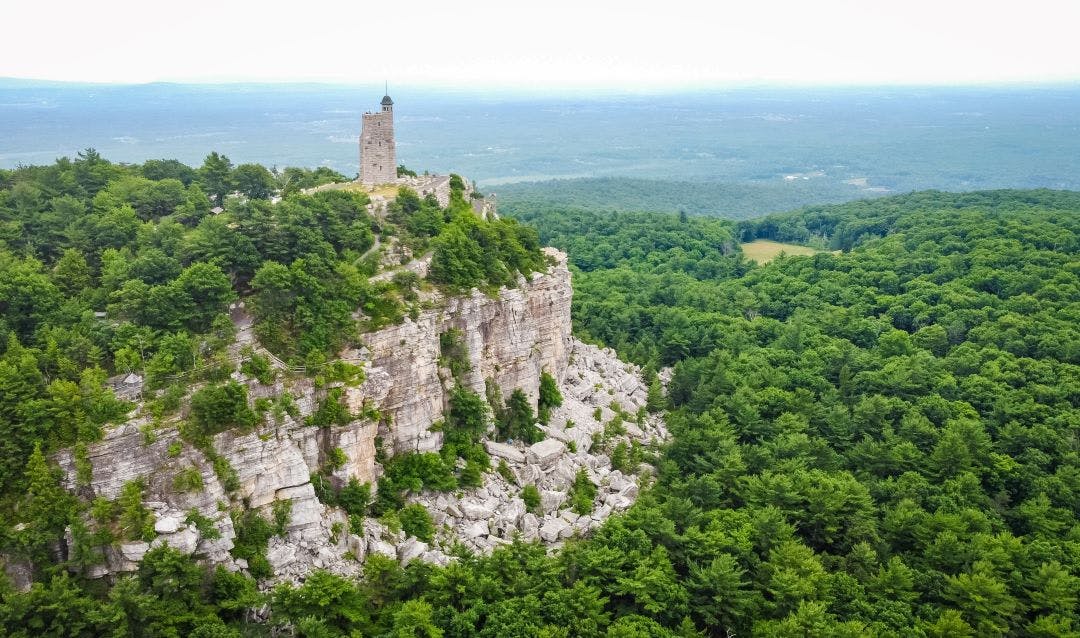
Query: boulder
184	541
553	529
306	509
280	555
504	451
356	545
134	551
381	547
324	557
411	549
617	481
527	475
435	557
550	500
530	526
167	525
475	509
475	529
545	452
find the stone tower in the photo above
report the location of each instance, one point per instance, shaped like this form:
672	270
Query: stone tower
378	158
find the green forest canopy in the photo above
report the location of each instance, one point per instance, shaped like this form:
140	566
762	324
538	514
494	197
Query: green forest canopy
113	269
881	442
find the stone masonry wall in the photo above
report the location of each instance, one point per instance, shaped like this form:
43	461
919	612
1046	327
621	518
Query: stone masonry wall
378	155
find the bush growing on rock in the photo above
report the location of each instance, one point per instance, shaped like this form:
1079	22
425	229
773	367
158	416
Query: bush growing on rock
253	532
517	423
258	366
620	457
418	471
415	521
582	495
136	521
472	475
332	411
550	397
188	480
217	408
355	497
531	496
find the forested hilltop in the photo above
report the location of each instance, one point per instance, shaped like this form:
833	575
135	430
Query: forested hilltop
730	200
878	442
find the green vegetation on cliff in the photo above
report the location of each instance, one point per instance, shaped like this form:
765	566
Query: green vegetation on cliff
110	270
880	442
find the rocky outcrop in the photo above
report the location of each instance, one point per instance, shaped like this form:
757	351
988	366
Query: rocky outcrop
494	513
511	338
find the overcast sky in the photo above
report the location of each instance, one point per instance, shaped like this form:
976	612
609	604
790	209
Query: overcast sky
518	44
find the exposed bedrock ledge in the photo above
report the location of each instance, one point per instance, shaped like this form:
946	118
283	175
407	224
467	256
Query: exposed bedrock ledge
511	338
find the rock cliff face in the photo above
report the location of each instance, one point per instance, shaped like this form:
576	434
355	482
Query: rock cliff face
511	338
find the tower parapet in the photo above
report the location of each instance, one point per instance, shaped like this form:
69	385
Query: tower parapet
378	155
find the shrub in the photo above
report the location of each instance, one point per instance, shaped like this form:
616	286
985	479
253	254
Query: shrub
253	532
472	475
531	496
206	527
355	497
258	366
387	497
415	521
582	494
417	471
468	417
517	421
614	427
136	520
620	457
454	354
332	411
226	473
170	398
550	397
282	514
188	479
217	408
504	471
335	460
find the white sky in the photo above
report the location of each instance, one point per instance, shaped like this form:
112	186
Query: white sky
552	43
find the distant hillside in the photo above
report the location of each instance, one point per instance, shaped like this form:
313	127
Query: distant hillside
729	200
842	226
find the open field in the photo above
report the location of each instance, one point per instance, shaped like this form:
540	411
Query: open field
763	250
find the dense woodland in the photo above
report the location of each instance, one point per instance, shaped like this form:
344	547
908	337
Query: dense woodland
729	200
117	269
882	442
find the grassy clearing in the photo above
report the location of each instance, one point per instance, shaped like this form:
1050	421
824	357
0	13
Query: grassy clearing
389	191
763	250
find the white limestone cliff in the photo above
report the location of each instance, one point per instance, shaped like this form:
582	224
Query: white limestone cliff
511	338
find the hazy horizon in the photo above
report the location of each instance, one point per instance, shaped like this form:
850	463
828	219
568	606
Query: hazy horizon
788	145
558	44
